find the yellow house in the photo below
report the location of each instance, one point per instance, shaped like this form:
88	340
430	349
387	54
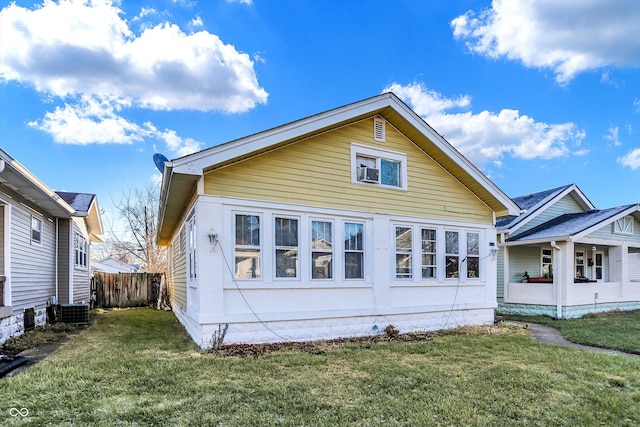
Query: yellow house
335	225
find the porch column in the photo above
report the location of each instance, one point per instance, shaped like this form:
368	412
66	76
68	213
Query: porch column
619	266
505	274
563	260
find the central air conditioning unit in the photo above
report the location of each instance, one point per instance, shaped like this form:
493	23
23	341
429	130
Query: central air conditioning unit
366	174
74	313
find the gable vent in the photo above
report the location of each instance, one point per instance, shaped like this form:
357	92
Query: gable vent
379	129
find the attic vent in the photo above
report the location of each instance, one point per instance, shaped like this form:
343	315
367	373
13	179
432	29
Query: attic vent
379	130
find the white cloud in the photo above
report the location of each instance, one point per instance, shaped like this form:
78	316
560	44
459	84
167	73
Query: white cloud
613	136
92	50
636	105
631	159
568	37
485	136
93	120
247	2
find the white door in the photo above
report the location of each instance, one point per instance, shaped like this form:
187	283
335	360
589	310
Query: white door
598	266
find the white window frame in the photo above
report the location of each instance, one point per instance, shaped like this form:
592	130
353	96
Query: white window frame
276	247
80	251
543	263
583	264
378	154
251	247
403	252
469	255
36	220
192	247
361	251
433	253
448	254
330	252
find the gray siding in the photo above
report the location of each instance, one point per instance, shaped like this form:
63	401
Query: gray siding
606	232
32	264
1	240
521	259
565	205
64	257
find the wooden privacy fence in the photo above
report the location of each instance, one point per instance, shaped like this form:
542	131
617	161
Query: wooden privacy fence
125	289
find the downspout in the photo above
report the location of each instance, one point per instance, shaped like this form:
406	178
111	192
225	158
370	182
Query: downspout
57	260
557	281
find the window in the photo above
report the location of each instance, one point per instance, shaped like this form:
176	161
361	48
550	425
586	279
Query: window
286	241
321	250
580	264
247	247
378	167
623	226
182	241
547	263
452	254
403	253
428	253
353	251
36	230
473	255
192	249
80	250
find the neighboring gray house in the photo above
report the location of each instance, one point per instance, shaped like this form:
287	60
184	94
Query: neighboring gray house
45	241
579	259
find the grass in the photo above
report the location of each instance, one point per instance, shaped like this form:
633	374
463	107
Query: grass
619	330
138	367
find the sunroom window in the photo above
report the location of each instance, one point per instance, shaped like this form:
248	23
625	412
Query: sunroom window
247	247
353	251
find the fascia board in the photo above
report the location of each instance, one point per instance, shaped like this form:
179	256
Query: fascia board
536	241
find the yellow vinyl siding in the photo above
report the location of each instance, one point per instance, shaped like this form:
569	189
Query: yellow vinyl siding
317	172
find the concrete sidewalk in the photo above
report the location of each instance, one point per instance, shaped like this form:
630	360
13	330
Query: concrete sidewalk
549	335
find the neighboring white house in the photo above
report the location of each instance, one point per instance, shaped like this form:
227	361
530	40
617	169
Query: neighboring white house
112	265
578	259
45	244
335	225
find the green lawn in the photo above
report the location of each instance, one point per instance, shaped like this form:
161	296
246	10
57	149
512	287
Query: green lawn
618	330
138	367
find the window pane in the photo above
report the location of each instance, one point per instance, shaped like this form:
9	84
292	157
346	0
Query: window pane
451	267
428	272
321	235
286	232
473	244
403	266
451	242
248	230
36	229
353	265
321	265
403	239
286	262
247	263
473	267
389	173
353	237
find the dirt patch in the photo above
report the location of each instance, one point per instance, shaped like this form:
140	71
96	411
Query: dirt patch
323	346
39	337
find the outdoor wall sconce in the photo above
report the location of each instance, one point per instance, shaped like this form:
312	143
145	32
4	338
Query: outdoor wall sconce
213	238
493	248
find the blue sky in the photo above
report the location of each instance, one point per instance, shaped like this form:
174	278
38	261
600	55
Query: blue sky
537	94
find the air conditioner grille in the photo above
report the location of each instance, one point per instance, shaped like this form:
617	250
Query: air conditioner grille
74	313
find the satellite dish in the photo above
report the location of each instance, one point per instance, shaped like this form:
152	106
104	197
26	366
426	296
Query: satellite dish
159	160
